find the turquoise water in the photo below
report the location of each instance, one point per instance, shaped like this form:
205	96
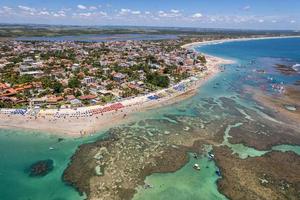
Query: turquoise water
244	152
186	183
250	56
240	149
18	150
285	148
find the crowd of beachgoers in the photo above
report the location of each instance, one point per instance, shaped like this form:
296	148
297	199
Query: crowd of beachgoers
100	110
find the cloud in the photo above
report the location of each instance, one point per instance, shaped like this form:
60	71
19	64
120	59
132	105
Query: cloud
93	8
26	8
90	15
101	13
136	12
85	14
89	8
60	13
124	11
197	15
130	16
174	11
6	8
246	8
43	13
81	7
171	14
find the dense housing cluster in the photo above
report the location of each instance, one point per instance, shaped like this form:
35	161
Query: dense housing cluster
72	74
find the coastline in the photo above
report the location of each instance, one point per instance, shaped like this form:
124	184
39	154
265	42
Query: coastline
84	126
194	44
47	120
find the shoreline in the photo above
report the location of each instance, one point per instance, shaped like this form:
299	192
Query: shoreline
70	124
88	125
194	44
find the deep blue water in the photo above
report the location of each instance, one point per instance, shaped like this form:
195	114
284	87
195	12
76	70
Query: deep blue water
288	48
255	55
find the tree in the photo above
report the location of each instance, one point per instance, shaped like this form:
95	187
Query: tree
25	79
109	86
127	92
202	59
57	87
158	80
77	93
46	82
73	82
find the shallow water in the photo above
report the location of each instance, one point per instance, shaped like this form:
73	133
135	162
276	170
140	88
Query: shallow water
18	149
285	148
186	183
251	55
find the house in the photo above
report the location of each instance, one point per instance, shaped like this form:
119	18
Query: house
119	77
104	92
38	101
75	67
35	74
75	102
70	97
88	97
8	92
53	100
89	80
3	86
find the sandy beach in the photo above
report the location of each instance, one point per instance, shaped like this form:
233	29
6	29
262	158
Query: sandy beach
195	44
85	121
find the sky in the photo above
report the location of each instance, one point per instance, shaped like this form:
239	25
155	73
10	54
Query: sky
237	14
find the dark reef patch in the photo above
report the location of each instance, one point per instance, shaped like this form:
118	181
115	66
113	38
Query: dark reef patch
264	177
40	168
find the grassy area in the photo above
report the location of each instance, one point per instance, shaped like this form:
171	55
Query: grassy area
11	30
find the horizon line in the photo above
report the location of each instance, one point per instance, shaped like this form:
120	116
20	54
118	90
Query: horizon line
151	26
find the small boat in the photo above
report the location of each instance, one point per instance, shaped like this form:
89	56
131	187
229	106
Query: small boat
211	156
147	186
51	148
218	172
196	167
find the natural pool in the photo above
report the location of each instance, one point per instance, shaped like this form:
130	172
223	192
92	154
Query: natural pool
186	183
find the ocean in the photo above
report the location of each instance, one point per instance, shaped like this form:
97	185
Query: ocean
20	149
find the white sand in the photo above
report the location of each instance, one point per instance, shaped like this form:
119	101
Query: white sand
87	125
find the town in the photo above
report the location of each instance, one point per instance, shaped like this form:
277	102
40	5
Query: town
74	74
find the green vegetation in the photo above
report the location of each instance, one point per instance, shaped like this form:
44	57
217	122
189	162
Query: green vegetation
158	80
128	92
58	87
202	59
18	30
73	82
